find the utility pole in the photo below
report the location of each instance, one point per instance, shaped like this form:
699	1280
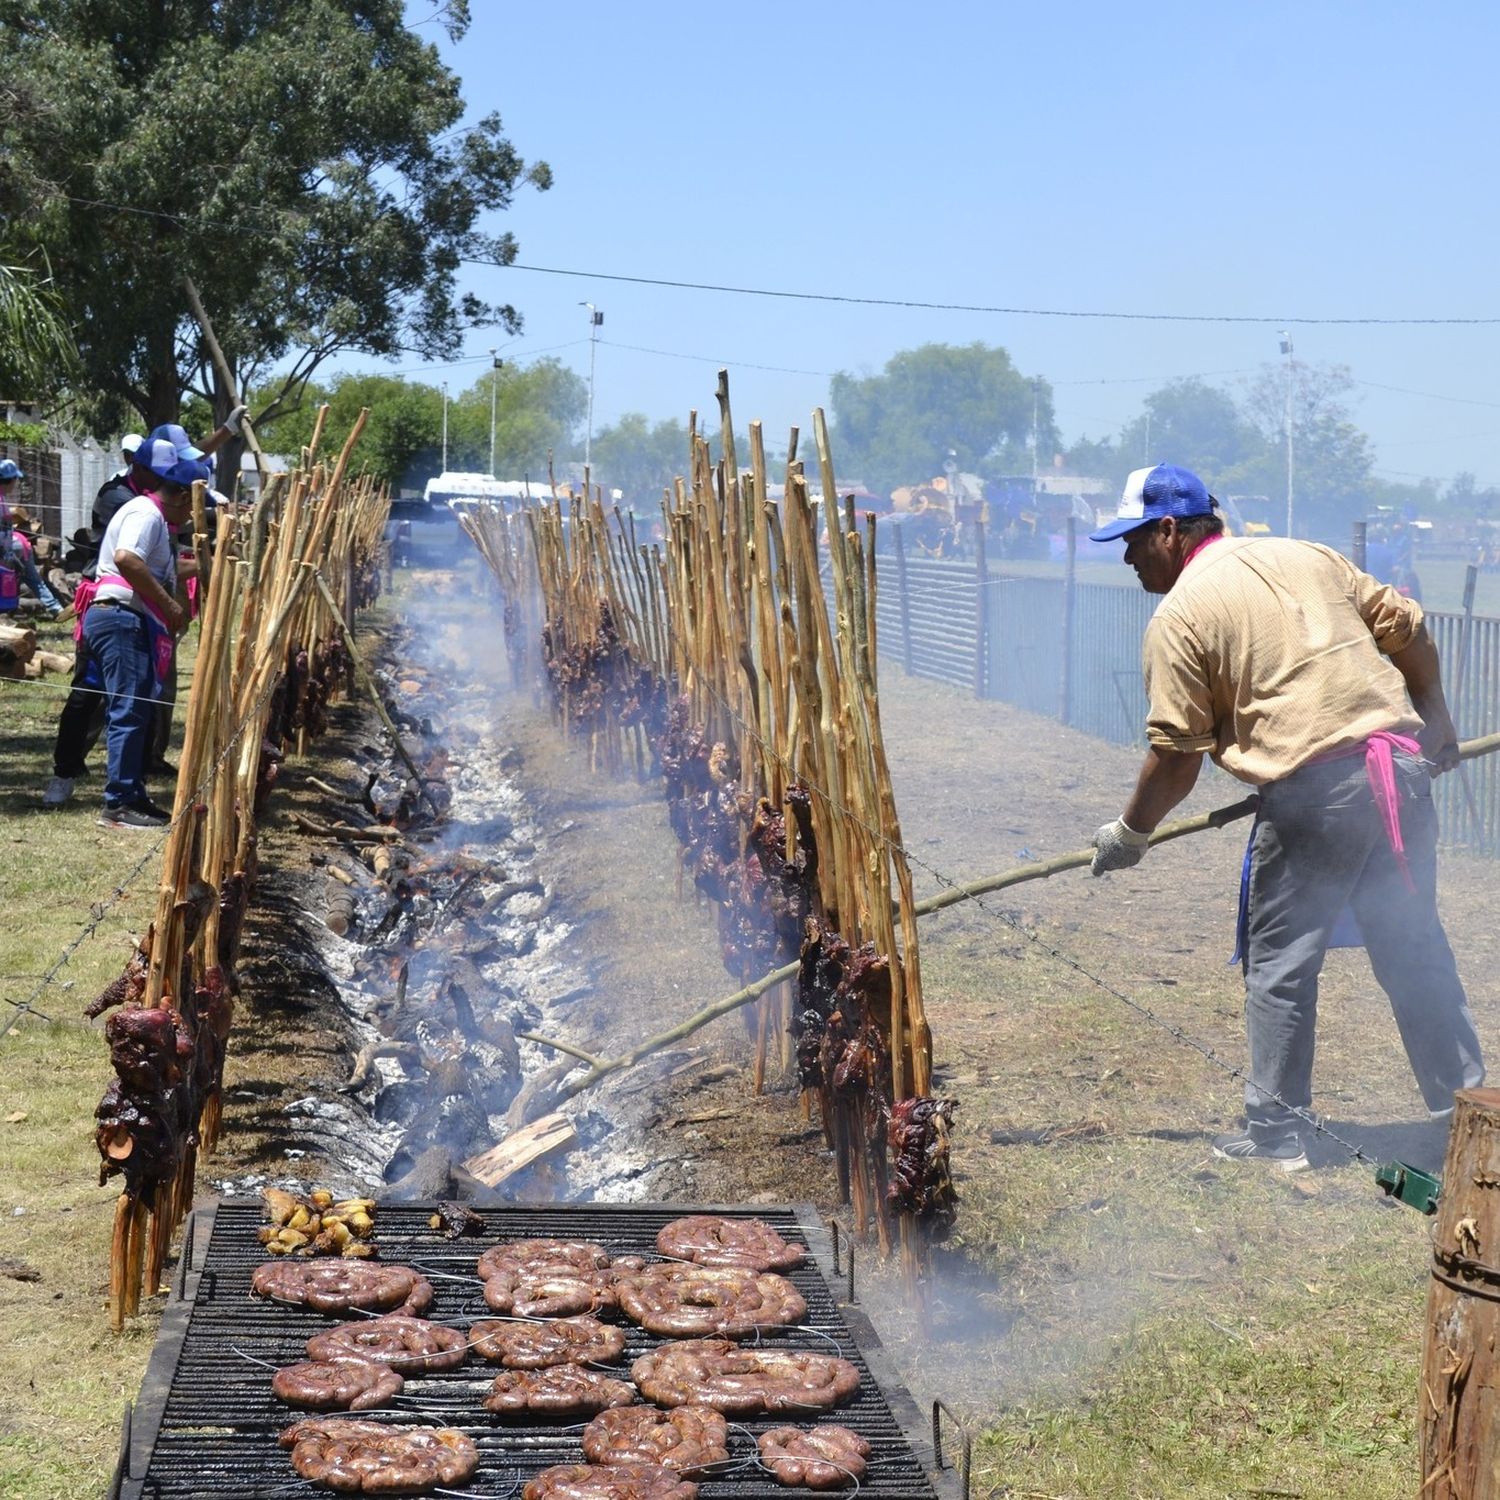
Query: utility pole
596	320
494	382
445	427
1036	397
1286	349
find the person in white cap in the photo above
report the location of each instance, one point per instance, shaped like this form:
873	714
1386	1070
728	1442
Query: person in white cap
1318	685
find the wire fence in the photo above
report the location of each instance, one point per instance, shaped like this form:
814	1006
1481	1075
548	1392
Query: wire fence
1072	651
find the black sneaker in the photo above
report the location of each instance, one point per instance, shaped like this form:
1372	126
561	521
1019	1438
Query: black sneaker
1285	1150
133	817
153	810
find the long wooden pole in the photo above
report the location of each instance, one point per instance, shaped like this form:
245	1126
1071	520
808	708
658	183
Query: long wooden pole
1039	870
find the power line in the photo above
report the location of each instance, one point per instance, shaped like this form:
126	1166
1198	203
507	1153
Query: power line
735	364
980	307
1256	319
1401	390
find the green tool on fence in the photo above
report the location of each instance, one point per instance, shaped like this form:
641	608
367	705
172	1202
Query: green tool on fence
1410	1185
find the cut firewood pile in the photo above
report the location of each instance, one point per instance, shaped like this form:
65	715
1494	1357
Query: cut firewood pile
282	581
714	652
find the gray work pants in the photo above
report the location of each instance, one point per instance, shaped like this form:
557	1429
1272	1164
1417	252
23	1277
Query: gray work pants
1320	842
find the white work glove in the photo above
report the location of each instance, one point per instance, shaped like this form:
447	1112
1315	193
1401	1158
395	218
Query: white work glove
235	420
1118	846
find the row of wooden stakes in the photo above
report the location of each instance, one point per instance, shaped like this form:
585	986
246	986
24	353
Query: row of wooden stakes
752	622
278	582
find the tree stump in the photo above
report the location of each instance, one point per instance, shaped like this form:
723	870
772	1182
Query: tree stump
1460	1395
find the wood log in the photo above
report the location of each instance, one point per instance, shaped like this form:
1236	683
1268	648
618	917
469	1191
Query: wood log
338	910
17	644
53	661
529	1144
1460	1366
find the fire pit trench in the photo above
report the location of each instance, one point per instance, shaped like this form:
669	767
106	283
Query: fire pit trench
206	1423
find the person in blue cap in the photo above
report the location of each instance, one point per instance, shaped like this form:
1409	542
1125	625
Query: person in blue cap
133	621
1307	678
82	716
15	549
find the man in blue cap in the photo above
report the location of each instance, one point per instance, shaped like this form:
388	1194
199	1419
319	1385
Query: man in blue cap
133	620
82	716
1318	685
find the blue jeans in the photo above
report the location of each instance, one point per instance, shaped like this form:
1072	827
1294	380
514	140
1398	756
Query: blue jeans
117	640
1319	844
25	564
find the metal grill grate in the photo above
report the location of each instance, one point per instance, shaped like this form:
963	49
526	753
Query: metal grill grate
207	1423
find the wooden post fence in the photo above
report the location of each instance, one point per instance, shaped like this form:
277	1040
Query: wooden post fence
1460	1364
903	598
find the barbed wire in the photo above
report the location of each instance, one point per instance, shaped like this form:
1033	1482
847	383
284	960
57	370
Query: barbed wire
100	910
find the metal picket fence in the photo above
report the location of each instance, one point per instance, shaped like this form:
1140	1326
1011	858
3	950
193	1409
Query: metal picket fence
1073	653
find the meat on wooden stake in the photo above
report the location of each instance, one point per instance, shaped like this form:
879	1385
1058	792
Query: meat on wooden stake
686	1301
533	1346
337	1285
609	1482
374	1459
825	1457
687	1438
717	1373
711	1240
557	1391
337	1384
409	1345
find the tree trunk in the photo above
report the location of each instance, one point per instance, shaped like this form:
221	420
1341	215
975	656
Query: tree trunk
1460	1391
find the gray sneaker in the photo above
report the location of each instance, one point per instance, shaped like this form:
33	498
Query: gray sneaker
133	817
59	789
1285	1151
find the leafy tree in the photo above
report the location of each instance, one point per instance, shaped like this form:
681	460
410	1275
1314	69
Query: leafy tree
37	354
538	410
897	427
641	459
297	158
1197	425
1333	458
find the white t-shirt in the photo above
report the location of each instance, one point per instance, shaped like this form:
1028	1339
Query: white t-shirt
138	527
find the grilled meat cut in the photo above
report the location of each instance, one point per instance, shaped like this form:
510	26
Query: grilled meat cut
825	1457
717	1373
609	1482
336	1384
409	1345
557	1391
684	1301
709	1240
687	1438
337	1285
372	1458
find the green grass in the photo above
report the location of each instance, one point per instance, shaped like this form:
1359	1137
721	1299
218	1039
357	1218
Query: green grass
59	870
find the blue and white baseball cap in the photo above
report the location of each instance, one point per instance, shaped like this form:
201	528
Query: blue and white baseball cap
161	457
178	438
9	469
1153	493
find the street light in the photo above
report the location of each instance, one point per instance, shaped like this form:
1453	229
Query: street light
596	320
494	382
445	427
1286	349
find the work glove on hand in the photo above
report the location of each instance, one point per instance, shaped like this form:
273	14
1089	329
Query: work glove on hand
1117	846
236	419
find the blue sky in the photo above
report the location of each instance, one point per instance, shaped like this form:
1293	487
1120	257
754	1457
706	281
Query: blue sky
1311	160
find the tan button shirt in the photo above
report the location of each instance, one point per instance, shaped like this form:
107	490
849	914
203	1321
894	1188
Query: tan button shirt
1268	653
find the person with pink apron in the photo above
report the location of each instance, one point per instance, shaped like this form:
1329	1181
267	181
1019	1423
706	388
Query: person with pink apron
132	622
1318	685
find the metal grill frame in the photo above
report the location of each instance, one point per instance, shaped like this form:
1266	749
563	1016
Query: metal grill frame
210	1307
